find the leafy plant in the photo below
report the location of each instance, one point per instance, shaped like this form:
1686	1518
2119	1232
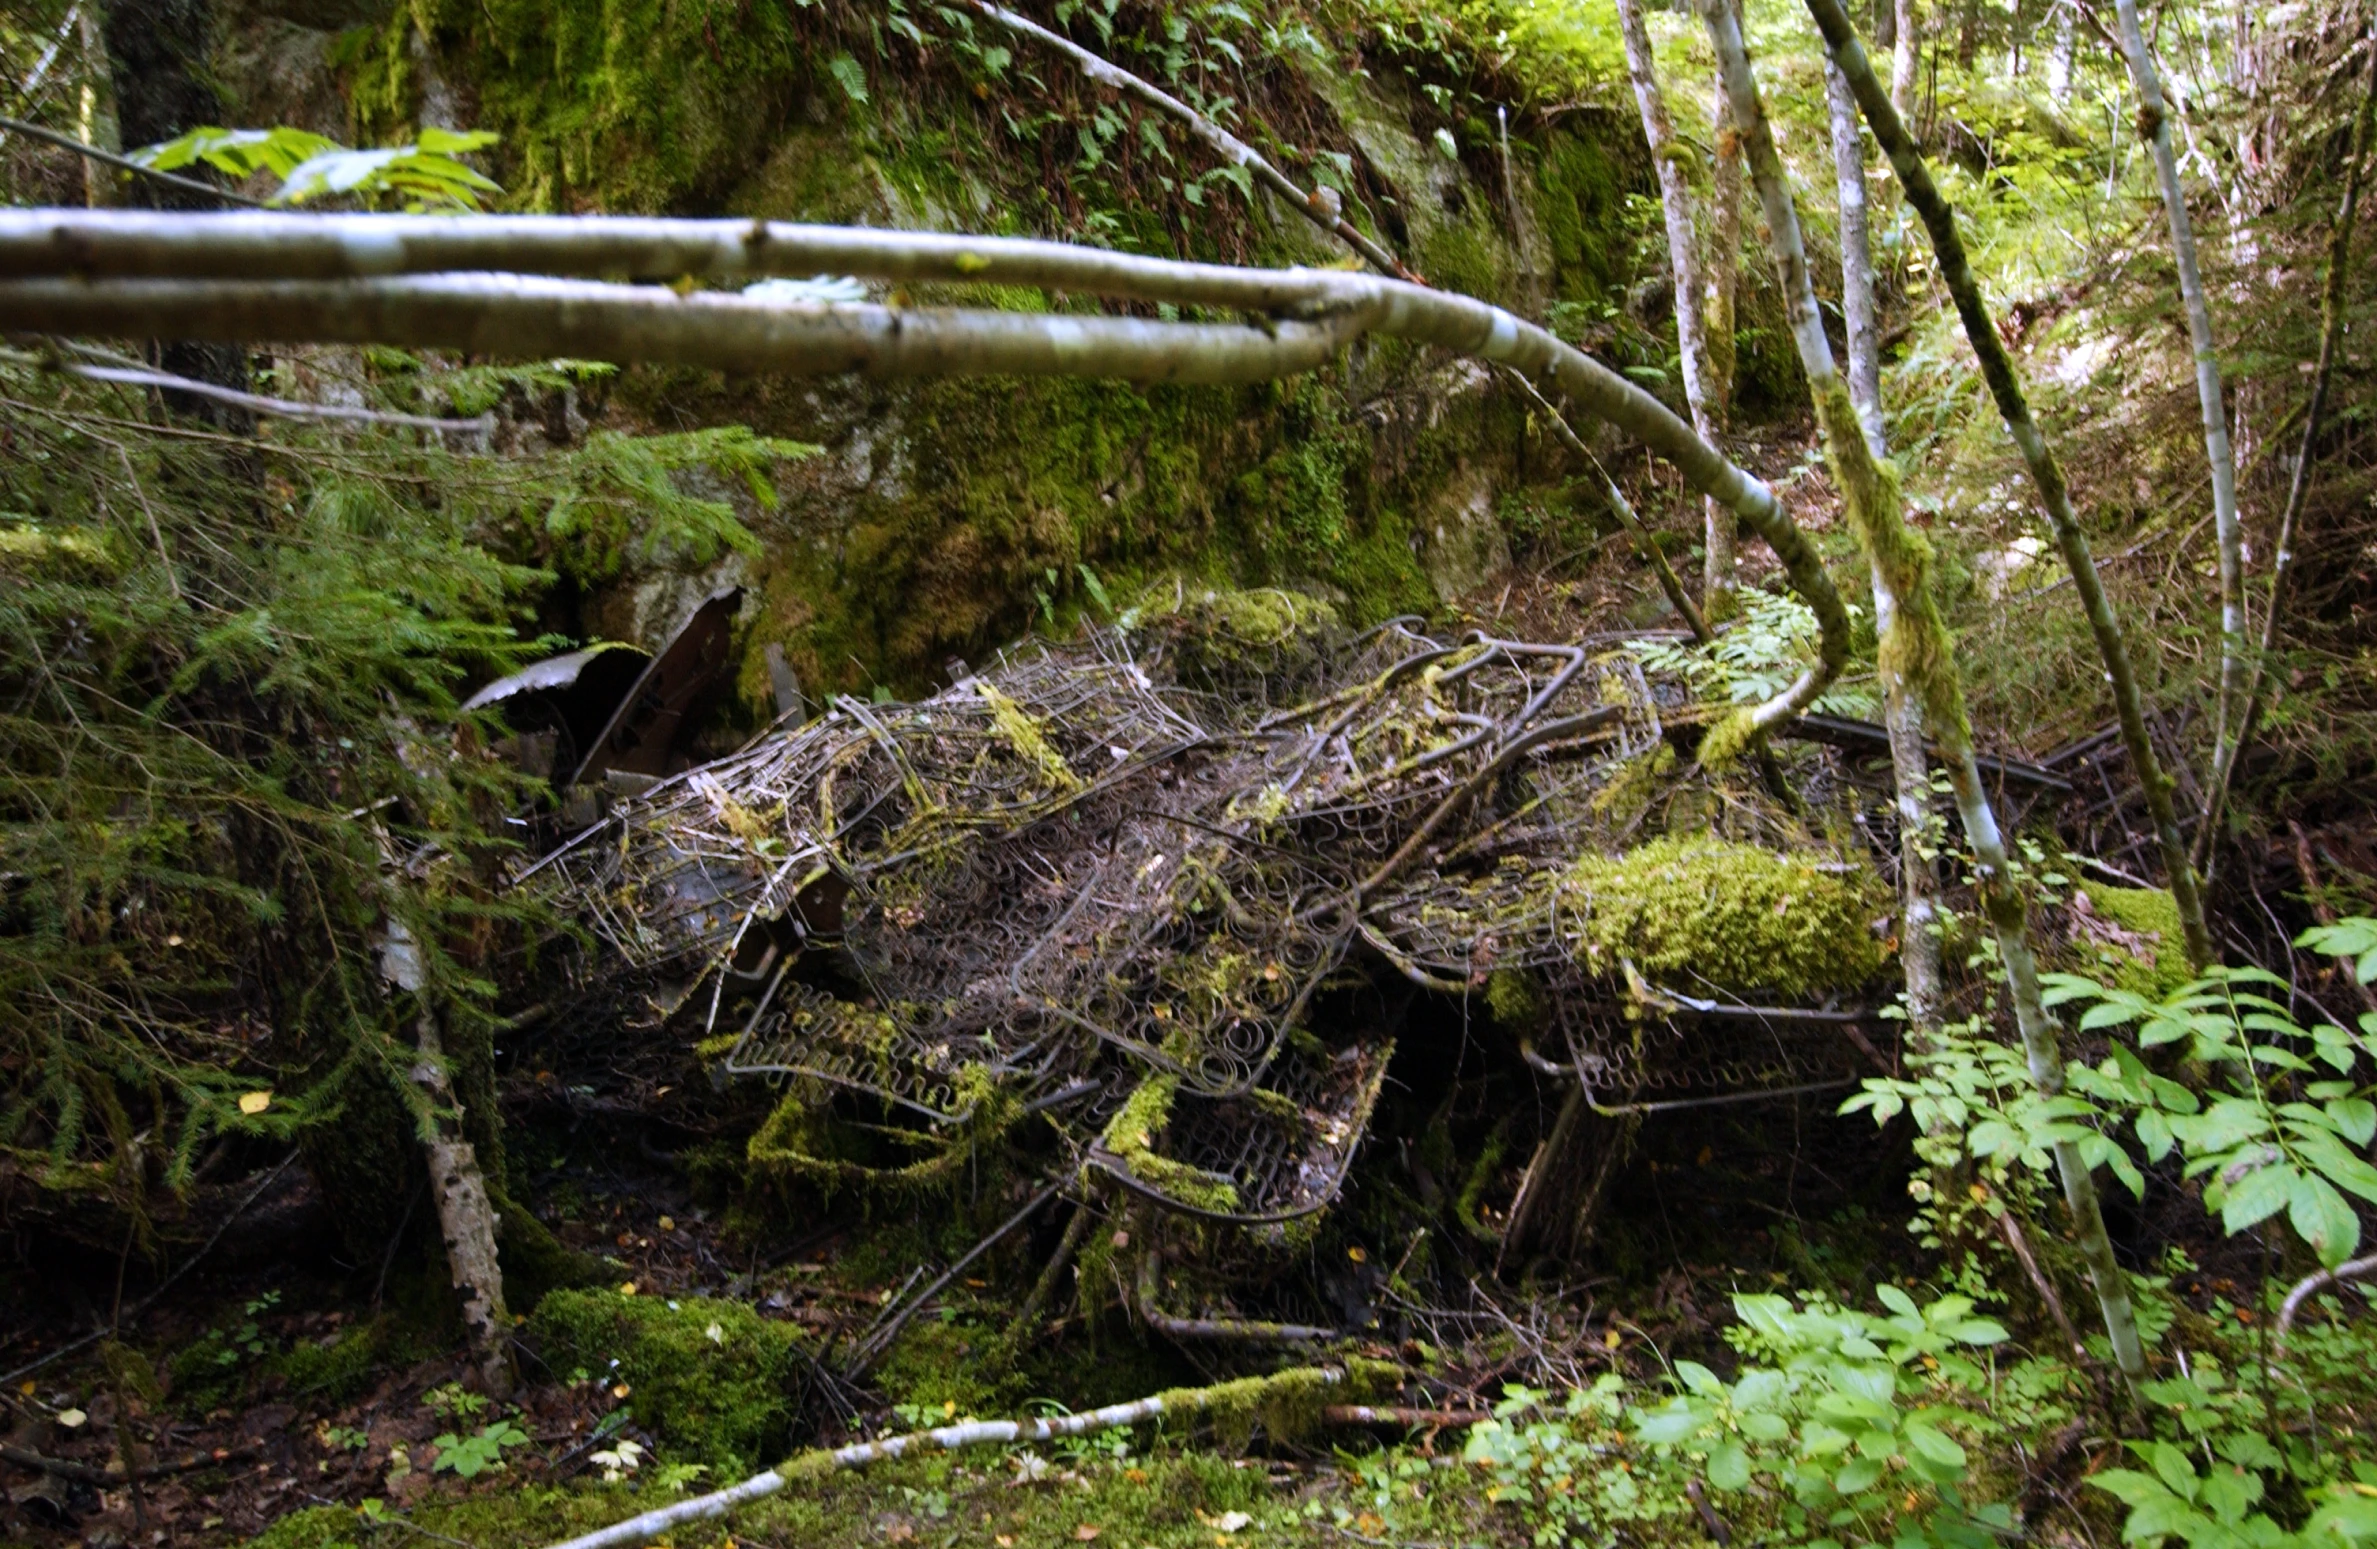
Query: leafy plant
452	1400
1756	656
2215	1508
427	175
471	1456
1855	1426
619	1460
1551	1458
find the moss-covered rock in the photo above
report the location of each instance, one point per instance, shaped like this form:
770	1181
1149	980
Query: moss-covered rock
710	1377
1733	915
2138	939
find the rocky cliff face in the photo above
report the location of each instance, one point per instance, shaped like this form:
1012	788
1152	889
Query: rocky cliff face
944	518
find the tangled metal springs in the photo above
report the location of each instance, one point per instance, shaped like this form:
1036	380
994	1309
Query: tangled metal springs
1070	875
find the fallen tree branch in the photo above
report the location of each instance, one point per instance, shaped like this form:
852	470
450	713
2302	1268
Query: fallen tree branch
87	1474
1246	1394
141	376
1400	1414
2311	1285
482	284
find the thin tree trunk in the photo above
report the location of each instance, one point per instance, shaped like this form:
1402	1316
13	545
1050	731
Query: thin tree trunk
1676	202
1919	644
1720	571
465	1213
1902	714
1857	269
1683	257
1906	57
2331	333
2059	57
2005	386
1918	873
95	119
2154	126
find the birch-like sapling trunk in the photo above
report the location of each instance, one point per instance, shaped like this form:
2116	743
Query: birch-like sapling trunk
1918	646
1719	571
2154	127
457	1184
1857	270
2331	334
1683	247
1902	714
1906	53
2005	387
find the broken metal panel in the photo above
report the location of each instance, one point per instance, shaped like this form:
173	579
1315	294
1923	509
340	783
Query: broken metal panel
643	733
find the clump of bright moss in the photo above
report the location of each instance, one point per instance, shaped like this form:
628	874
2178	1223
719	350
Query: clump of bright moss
711	1377
1733	915
1219	637
1131	1135
2147	912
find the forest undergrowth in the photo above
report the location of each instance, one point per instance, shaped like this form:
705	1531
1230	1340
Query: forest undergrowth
263	943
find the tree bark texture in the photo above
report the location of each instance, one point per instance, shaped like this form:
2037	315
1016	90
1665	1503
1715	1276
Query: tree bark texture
1906	55
1857	266
457	1185
2005	387
1902	713
1920	646
1721	318
2154	127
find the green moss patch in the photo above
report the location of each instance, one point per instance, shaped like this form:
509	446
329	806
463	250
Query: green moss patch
2138	917
710	1377
1733	915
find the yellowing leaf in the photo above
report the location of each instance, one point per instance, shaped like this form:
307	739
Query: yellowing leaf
254	1102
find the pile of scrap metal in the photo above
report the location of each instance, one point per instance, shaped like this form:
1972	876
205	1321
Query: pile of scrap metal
1122	887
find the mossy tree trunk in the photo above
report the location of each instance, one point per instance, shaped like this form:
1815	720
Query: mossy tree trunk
1918	648
2045	473
2005	387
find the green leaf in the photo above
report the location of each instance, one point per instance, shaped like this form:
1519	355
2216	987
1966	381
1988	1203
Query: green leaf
849	76
1857	1474
1935	1445
1700	1379
1728	1467
1676	1421
2323	1219
2255	1198
1446	144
